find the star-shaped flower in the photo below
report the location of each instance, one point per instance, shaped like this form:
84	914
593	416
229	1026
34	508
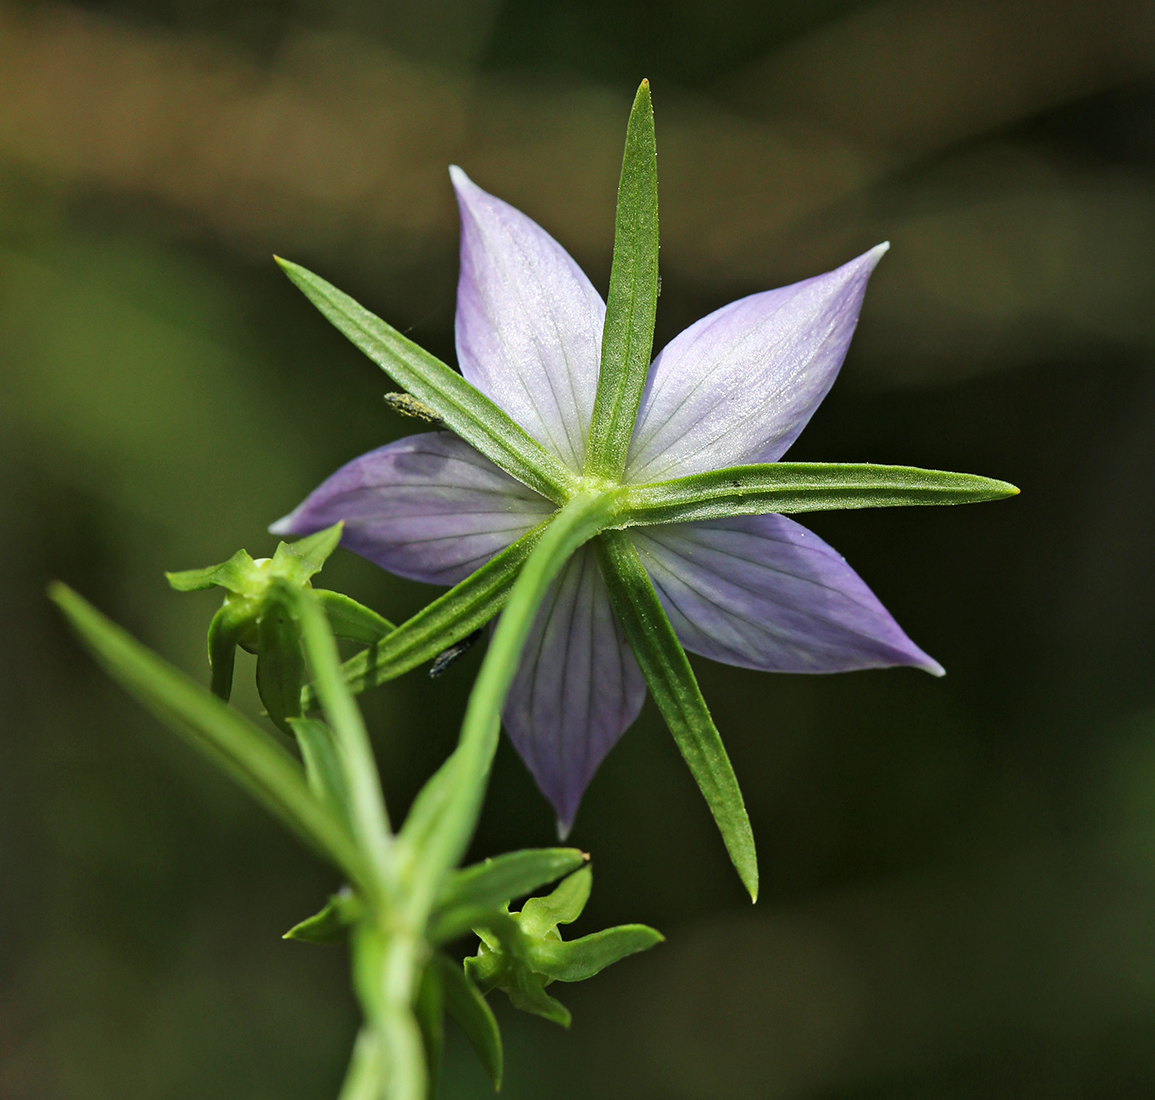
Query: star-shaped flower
735	389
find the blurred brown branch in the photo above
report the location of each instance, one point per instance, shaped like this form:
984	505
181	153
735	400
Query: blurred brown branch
339	148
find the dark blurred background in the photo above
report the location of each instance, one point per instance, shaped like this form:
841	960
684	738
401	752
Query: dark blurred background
958	875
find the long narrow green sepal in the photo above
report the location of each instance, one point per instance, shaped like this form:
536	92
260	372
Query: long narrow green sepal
675	690
241	749
448	619
801	487
464	409
633	298
465	1003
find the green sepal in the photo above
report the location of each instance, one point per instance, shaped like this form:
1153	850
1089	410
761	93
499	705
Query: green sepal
331	924
465	1003
576	960
541	916
246	752
672	683
464	409
633	298
297	561
521	953
237	574
429	1009
448	619
351	620
784	487
225	632
280	663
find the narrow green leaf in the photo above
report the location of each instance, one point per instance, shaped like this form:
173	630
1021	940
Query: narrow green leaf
331	924
464	409
448	619
467	770
280	664
675	690
243	750
365	806
324	768
629	327
349	619
235	575
429	1009
464	1002
496	881
576	960
801	487
224	634
564	906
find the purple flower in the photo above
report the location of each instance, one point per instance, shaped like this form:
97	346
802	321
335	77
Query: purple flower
736	387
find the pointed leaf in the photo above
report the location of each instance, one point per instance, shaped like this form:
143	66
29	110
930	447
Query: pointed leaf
675	690
464	1002
802	487
236	575
464	409
448	619
331	924
246	752
633	297
576	960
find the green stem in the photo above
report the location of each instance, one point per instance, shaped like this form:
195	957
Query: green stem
573	525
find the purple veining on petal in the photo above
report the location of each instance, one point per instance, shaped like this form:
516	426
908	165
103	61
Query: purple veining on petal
764	592
529	323
428	507
577	689
740	384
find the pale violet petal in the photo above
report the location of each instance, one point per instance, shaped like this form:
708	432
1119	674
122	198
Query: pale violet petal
428	507
577	689
529	323
739	385
763	592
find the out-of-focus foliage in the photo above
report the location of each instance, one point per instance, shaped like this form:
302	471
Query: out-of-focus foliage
958	877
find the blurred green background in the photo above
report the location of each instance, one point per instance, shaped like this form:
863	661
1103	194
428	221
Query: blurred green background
958	875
